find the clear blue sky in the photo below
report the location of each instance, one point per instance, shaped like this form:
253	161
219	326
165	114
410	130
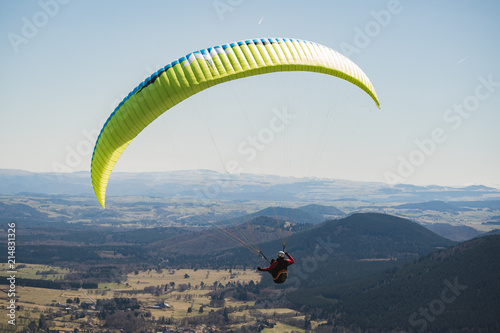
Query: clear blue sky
435	65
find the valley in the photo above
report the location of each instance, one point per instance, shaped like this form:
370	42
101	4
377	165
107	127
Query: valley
168	264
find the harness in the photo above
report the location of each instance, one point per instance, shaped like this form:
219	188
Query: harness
281	276
280	272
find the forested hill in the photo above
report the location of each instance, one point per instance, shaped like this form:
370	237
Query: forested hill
368	236
364	242
451	289
341	250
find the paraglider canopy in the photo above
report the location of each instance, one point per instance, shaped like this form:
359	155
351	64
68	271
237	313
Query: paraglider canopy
203	69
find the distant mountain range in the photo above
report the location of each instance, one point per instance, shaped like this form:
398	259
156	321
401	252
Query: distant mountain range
206	184
437	205
312	214
457	233
453	213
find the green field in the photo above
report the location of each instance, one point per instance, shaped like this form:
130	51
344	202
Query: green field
33	271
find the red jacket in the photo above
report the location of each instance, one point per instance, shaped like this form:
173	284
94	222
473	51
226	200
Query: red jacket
279	265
